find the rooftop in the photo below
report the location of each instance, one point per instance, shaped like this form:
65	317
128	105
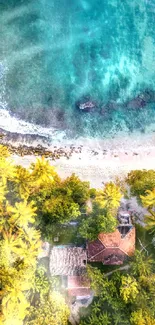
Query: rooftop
68	261
78	286
112	248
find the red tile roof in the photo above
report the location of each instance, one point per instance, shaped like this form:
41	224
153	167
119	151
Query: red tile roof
127	244
95	247
113	248
78	281
110	239
82	292
78	286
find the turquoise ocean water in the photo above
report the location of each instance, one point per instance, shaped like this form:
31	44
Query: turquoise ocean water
55	52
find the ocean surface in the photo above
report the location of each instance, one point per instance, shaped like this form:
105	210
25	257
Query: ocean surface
55	53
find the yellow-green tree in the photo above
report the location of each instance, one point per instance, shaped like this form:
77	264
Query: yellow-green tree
141	265
140	181
52	311
148	201
42	172
22	214
19	247
4	152
141	317
23	181
109	197
129	289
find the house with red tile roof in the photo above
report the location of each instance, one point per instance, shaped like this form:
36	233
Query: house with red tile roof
114	248
69	261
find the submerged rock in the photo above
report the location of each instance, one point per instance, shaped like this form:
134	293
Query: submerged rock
148	96
109	107
86	105
137	102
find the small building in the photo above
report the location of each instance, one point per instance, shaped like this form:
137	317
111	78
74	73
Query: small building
112	248
67	260
79	287
70	264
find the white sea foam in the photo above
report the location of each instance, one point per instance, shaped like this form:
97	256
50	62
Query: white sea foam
13	124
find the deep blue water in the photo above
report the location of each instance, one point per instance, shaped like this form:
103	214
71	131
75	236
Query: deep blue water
54	52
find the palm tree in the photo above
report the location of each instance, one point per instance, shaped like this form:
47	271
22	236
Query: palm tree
3	191
110	196
14	302
12	246
119	319
23	180
149	199
129	289
7	170
150	222
42	171
141	265
31	252
96	307
22	213
4	152
94	320
105	319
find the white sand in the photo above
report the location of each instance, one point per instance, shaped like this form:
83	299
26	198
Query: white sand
112	158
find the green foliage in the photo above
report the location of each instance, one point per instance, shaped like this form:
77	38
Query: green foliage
99	220
140	181
37	196
141	317
41	285
53	311
108	306
60	201
141	264
92	193
148	201
79	191
102	217
60	209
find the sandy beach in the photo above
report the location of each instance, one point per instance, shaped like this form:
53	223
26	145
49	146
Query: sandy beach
99	161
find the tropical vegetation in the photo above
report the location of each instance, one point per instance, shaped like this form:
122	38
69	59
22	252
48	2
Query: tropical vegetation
36	205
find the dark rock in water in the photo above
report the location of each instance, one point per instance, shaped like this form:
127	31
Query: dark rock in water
112	105
50	99
60	115
137	102
86	105
104	112
148	96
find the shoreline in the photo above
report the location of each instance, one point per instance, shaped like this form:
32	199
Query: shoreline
96	169
94	160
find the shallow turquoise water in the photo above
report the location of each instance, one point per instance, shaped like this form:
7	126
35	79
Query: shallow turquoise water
53	52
